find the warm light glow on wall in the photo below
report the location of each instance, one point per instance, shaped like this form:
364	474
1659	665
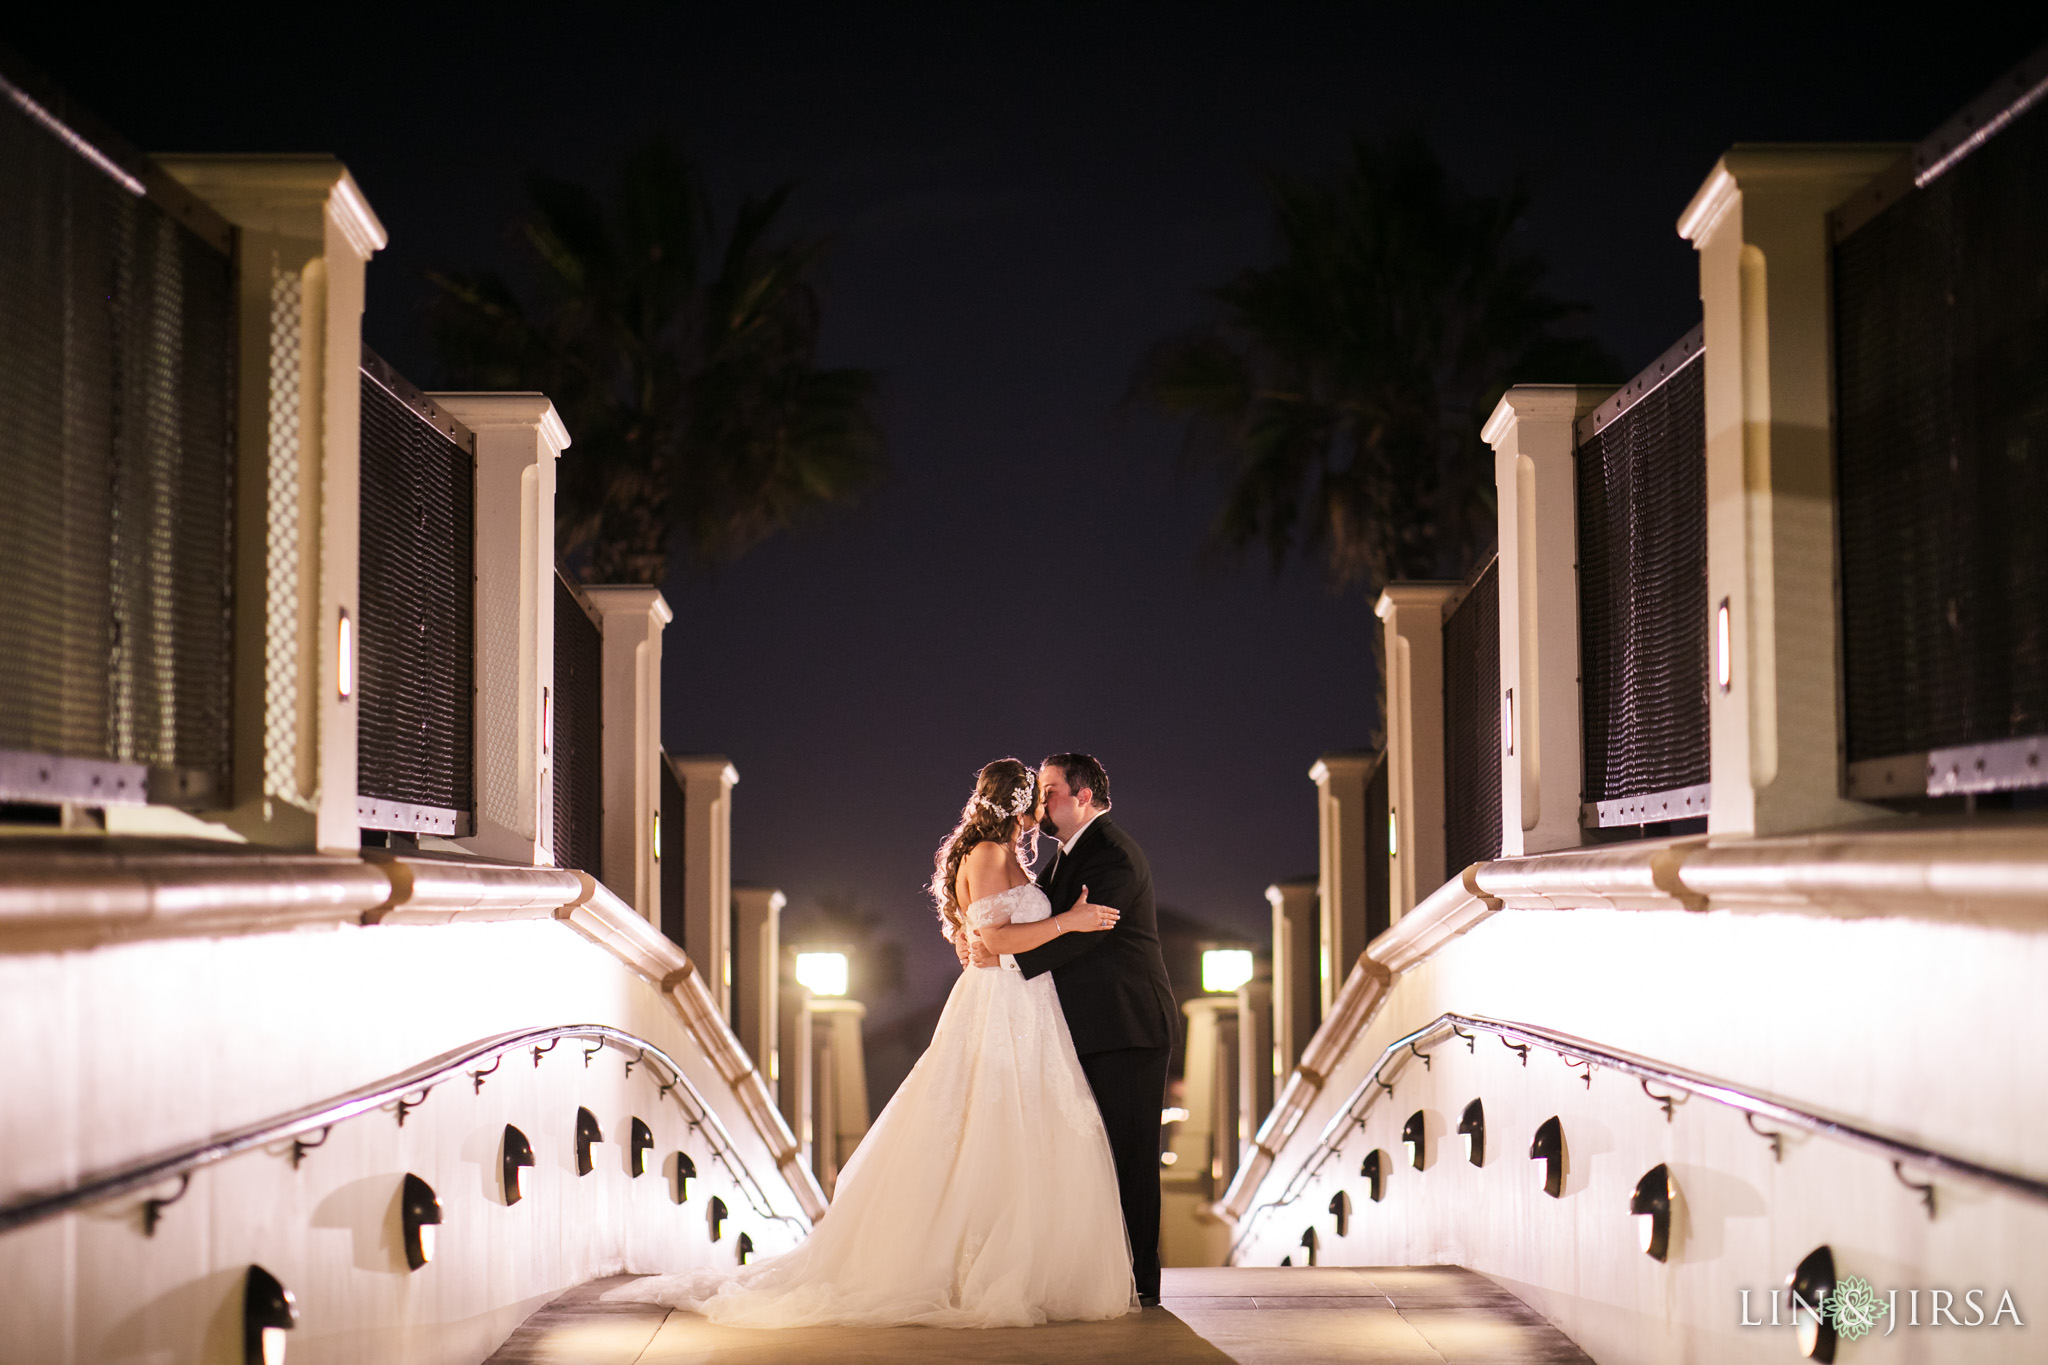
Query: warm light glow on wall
1507	721
657	836
823	973
1225	969
1724	666
345	657
547	717
1393	834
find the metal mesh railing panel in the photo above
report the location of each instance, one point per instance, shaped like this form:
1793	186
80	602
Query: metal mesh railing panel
1941	362
116	453
1642	492
1472	739
578	739
416	594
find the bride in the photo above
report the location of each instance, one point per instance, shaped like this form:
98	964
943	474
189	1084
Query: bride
984	1195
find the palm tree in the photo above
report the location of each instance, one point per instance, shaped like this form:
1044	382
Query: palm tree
1342	389
685	370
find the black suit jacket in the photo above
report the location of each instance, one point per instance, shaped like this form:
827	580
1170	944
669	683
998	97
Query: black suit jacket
1112	985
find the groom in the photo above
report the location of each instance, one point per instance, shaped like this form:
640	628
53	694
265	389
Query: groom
1113	987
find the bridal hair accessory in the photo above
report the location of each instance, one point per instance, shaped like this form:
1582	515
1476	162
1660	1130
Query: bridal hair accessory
1019	803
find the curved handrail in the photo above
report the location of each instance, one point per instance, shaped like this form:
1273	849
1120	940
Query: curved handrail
1589	1054
180	1161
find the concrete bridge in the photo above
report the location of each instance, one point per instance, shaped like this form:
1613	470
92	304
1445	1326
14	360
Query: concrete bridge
1417	1315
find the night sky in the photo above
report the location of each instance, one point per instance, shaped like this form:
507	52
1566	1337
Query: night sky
1024	197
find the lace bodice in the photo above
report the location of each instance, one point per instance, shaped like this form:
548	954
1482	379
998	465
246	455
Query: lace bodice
1018	905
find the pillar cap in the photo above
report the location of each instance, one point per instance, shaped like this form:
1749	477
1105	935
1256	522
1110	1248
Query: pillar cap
1838	167
1355	763
1541	402
1415	592
482	411
705	766
272	193
623	599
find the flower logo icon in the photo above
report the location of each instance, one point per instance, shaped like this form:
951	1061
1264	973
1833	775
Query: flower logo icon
1854	1308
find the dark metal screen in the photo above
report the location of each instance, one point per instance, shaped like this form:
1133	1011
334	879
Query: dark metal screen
1472	699
577	743
416	699
117	346
1941	362
1642	494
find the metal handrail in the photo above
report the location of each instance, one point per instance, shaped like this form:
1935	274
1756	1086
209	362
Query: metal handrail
1580	1052
181	1161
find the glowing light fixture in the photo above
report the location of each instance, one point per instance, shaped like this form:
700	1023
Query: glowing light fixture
517	1160
1374	1169
1548	1148
1168	1158
685	1172
1507	721
1313	1243
657	836
824	973
1724	665
547	717
1805	1290
1651	1208
1225	969
718	1216
1412	1137
268	1312
1472	1127
589	1137
1393	833
345	656
746	1248
419	1213
638	1145
1176	1114
1340	1206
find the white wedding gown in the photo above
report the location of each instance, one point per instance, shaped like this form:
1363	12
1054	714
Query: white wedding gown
984	1195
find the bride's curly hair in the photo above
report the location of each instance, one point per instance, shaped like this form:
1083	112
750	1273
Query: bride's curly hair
999	812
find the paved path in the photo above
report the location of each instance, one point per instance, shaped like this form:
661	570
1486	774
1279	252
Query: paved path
1427	1315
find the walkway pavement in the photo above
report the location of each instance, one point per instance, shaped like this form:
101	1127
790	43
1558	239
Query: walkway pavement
1426	1315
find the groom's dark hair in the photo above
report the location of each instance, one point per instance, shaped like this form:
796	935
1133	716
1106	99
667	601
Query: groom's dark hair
1082	770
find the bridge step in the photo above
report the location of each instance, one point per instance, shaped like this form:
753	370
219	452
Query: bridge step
1402	1315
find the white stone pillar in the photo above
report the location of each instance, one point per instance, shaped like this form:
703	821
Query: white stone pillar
630	618
707	781
1297	967
1760	225
1341	879
1533	432
304	232
757	971
839	1073
1255	1078
1414	617
518	439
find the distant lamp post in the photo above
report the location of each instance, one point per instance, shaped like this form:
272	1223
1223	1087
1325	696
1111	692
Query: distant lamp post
268	1312
517	1161
1225	969
822	973
419	1214
1651	1207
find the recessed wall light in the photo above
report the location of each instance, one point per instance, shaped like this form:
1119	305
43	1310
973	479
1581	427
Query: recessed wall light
516	1160
1414	1139
589	1137
268	1312
1340	1208
685	1172
1548	1148
639	1145
419	1213
746	1248
1374	1169
1806	1290
1472	1127
1651	1207
717	1217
